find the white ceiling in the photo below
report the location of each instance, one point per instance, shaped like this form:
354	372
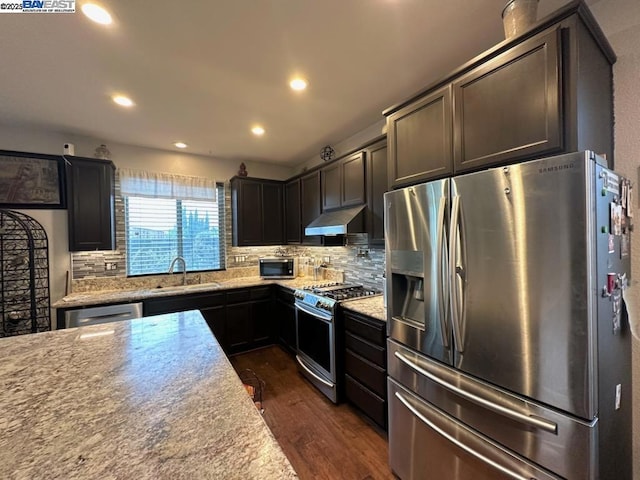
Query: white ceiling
204	72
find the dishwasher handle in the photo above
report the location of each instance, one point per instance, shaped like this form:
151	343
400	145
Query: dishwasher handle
103	314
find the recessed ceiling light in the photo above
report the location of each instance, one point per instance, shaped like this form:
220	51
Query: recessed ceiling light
180	145
122	100
257	130
298	84
96	13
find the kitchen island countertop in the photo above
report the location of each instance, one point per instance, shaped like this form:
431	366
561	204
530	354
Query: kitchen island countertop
152	398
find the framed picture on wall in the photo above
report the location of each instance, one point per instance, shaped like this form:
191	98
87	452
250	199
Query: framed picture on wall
31	180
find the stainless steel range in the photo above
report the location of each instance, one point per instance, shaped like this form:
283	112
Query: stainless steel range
316	308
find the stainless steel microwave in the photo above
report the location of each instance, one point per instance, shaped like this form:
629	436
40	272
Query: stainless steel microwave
278	267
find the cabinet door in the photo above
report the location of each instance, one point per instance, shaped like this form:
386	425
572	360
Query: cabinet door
510	107
292	212
239	331
272	214
310	190
91	205
262	323
331	186
286	320
216	319
247	218
420	140
376	156
353	174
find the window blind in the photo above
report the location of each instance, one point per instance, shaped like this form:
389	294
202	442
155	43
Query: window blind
160	229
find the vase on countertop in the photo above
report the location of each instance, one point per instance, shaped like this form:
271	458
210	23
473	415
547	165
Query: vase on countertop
102	152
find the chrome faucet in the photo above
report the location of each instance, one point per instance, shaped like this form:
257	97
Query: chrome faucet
184	268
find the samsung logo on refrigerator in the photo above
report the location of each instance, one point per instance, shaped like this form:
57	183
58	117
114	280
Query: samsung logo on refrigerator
557	168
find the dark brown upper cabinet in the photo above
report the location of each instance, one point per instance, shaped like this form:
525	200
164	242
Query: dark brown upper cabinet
353	180
331	186
376	157
546	92
310	206
420	140
257	207
293	226
511	106
90	200
343	182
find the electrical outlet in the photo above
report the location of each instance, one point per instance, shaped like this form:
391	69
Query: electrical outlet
110	266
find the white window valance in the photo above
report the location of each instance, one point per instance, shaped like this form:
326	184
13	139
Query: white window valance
140	183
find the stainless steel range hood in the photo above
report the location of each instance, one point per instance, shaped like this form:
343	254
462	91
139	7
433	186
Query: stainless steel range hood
338	222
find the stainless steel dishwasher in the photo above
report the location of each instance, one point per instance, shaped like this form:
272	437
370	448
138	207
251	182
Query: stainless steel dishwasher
95	315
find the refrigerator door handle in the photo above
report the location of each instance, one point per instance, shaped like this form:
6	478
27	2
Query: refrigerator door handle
533	421
453	272
457	442
441	254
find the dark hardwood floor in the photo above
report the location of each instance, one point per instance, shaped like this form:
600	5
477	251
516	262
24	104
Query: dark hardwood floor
320	439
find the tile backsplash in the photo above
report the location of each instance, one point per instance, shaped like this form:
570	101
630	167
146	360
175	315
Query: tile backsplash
359	263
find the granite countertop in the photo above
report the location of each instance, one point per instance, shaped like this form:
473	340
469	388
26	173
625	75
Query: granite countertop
370	306
121	296
152	398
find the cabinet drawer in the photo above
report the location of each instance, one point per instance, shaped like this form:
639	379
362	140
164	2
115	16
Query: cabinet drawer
181	303
285	294
238	296
260	293
366	372
367	401
371	352
368	329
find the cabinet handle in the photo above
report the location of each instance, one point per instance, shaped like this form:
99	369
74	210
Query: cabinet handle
530	420
458	443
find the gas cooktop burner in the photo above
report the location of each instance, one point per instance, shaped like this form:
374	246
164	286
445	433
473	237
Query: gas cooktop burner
340	291
323	286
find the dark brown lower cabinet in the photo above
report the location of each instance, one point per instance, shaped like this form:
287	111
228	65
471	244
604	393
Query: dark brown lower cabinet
240	319
285	319
216	319
238	327
249	319
365	365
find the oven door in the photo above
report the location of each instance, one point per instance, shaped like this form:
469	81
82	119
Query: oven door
316	348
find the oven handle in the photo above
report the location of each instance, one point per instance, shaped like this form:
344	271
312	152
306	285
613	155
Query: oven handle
325	318
320	379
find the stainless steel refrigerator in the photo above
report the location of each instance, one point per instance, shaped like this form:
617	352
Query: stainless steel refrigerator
509	348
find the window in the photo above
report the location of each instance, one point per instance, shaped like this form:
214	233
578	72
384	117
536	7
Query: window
160	228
